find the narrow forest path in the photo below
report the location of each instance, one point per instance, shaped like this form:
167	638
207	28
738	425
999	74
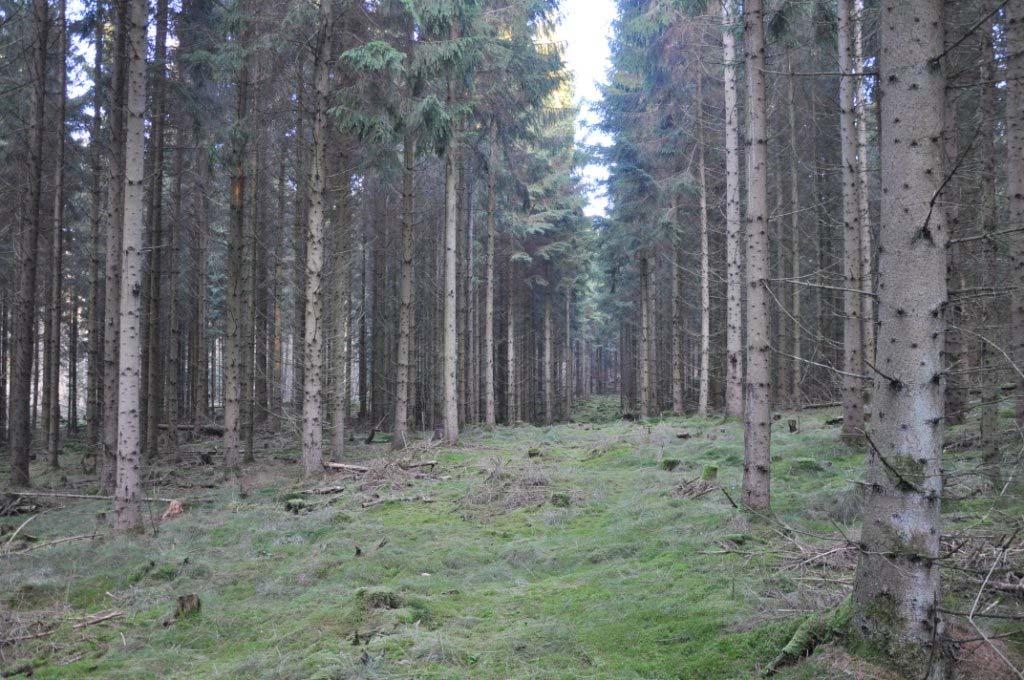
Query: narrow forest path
569	551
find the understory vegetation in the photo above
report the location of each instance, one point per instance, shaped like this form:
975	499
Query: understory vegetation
598	548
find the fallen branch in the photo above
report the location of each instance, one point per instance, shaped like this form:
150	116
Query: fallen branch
212	430
20	527
48	544
346	467
324	490
403	499
82	496
413	466
99	618
84	623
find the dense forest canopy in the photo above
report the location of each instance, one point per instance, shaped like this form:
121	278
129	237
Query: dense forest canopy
243	222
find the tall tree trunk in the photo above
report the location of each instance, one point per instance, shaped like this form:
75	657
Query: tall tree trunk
1015	178
235	341
94	377
510	346
114	219
989	425
342	275
312	430
57	266
154	361
644	356
127	510
867	276
24	318
399	438
548	361
201	351
492	172
956	392
451	233
757	413
853	396
568	364
299	245
5	327
678	330
171	263
704	389
733	224
276	396
794	207
73	308
896	588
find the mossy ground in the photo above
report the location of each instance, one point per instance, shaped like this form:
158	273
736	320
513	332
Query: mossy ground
545	552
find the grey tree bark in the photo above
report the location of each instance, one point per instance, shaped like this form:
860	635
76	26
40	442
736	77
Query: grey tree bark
757	414
853	397
896	588
114	219
1015	177
312	402
127	494
399	438
492	171
733	224
23	313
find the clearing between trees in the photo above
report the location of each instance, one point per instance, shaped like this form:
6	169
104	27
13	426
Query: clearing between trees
599	548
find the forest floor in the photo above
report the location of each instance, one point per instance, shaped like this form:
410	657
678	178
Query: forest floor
595	549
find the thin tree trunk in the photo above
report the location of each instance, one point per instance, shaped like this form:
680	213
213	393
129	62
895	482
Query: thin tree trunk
989	422
24	318
172	263
73	308
115	227
510	341
704	390
235	342
896	588
568	370
645	345
399	438
127	510
794	207
853	396
312	430
57	265
733	224
678	330
94	376
201	352
299	245
451	224
154	361
340	346
1015	178
867	276
492	172
757	414
956	396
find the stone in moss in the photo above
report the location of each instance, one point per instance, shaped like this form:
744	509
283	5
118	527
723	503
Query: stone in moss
669	464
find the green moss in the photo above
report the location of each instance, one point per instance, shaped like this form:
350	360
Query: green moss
625	582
